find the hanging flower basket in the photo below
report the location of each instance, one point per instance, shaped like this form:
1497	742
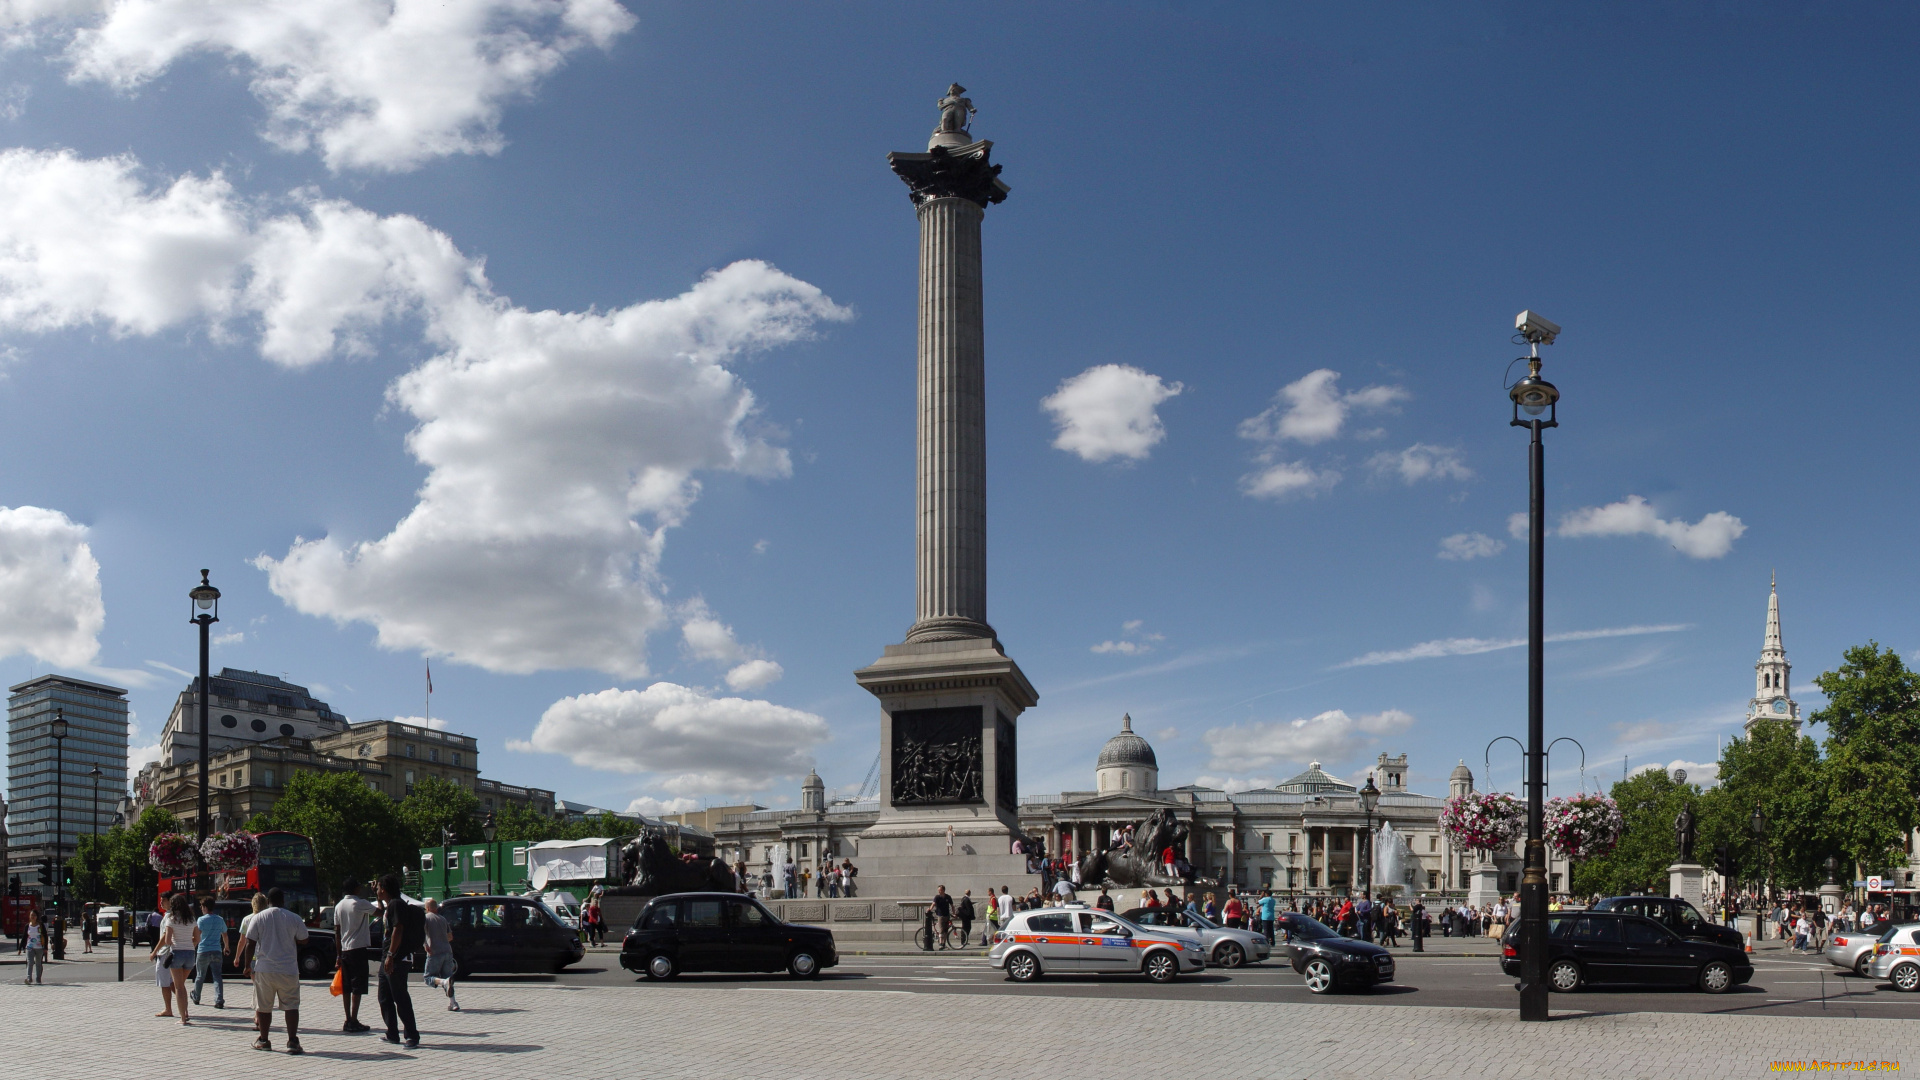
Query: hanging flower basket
1483	820
231	851
1583	827
171	853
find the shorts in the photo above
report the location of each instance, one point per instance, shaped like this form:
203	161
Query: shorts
353	971
271	988
440	966
182	959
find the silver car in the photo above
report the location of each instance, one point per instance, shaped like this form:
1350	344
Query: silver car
1077	940
1896	958
1852	950
1226	946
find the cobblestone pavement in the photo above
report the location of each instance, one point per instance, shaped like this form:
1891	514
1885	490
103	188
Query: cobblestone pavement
107	1030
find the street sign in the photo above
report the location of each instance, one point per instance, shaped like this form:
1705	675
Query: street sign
1875	882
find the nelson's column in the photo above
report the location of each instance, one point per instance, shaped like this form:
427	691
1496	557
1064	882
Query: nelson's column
949	695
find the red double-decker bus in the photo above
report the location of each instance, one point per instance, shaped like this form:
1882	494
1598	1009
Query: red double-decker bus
286	863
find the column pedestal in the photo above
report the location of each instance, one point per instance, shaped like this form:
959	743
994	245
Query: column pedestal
1686	881
1484	887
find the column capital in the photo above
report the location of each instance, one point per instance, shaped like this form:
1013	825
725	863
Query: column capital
961	173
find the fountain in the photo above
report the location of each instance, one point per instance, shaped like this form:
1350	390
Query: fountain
1394	864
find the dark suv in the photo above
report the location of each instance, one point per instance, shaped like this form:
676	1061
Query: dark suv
1676	915
1587	948
722	932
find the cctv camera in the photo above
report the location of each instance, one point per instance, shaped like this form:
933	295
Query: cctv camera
1535	329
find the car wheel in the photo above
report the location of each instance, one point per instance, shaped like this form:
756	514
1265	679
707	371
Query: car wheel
309	965
1861	965
1716	977
660	966
1319	976
803	965
1023	967
560	963
1229	955
1563	977
1161	966
1906	978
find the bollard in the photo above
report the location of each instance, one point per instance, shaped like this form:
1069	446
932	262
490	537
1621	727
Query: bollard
120	936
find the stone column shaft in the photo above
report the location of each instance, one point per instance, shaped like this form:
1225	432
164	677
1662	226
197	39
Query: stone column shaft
951	483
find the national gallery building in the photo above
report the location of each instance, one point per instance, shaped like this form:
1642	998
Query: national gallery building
1301	836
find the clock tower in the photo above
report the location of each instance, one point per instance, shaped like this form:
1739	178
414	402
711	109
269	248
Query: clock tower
1772	676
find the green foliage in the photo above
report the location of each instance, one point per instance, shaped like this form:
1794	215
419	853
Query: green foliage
112	866
437	804
356	830
1782	774
514	822
1873	726
89	865
1649	801
606	824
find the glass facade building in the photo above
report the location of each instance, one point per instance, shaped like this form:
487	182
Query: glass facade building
51	787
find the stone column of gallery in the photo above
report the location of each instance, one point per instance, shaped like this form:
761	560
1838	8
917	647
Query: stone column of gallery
949	695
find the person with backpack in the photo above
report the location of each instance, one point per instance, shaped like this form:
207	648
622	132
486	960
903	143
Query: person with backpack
405	935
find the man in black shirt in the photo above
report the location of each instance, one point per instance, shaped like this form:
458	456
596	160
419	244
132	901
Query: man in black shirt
965	915
942	912
406	934
1104	902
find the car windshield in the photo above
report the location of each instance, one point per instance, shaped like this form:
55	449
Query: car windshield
1308	927
1201	922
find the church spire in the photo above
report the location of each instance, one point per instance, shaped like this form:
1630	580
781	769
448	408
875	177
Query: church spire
1773	647
1773	675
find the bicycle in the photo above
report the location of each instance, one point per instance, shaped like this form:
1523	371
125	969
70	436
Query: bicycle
928	938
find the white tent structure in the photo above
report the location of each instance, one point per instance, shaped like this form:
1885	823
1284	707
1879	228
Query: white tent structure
551	862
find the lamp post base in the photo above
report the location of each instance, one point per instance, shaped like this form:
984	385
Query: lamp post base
1532	940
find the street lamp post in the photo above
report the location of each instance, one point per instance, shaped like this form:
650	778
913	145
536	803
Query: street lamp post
1369	798
488	829
1537	398
95	831
58	729
206	599
1757	825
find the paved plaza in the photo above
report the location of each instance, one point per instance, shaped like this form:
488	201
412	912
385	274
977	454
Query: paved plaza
90	1030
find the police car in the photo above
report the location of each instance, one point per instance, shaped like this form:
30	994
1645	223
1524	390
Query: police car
1079	940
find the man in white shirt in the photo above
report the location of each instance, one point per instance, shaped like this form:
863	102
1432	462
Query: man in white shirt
273	963
353	922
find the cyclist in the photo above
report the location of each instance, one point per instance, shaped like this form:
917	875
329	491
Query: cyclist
941	909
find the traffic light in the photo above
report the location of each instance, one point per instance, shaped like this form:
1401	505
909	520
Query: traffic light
1723	862
46	871
66	875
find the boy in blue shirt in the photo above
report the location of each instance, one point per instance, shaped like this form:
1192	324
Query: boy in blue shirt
210	958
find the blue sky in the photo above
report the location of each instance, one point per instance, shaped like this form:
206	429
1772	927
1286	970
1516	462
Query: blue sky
571	344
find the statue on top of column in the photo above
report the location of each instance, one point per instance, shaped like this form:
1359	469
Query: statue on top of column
956	112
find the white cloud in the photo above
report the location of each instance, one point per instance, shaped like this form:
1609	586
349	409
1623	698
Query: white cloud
139	757
754	674
1709	538
50	606
560	446
369	84
696	742
706	637
1519	526
1134	639
1463	546
1428	650
434	723
234	638
1421	462
163	666
653	808
1312	409
1232	783
1108	411
1330	736
1284	479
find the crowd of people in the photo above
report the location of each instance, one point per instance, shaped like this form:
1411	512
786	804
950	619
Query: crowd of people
380	935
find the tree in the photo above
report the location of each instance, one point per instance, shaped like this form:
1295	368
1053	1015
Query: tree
606	823
436	804
1781	772
1649	801
520	823
1873	724
356	831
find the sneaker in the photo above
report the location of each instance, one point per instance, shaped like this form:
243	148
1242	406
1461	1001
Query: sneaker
412	1043
389	1037
261	1043
293	1045
453	1006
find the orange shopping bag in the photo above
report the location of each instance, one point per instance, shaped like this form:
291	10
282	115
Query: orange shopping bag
339	981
